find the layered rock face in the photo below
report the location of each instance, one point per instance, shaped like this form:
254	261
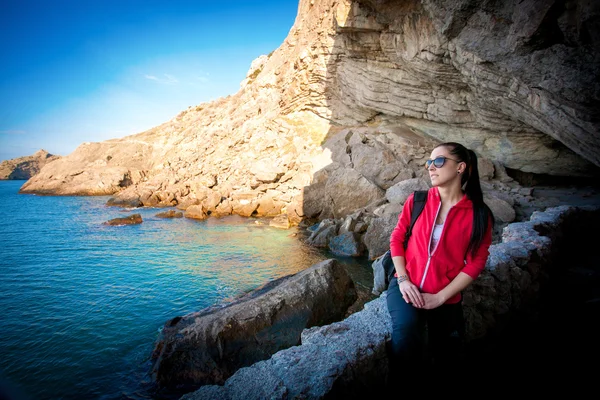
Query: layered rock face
352	103
25	167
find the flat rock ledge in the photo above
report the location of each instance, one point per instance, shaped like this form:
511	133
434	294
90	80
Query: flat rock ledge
348	359
334	361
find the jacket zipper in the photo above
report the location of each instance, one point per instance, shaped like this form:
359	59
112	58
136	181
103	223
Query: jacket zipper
429	245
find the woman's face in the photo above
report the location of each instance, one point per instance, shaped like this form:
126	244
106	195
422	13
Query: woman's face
450	169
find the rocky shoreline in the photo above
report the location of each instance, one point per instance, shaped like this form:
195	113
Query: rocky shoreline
505	309
348	358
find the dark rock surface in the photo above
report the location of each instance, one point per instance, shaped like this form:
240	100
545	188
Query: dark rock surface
558	339
132	219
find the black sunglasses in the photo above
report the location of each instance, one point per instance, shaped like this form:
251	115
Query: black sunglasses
438	162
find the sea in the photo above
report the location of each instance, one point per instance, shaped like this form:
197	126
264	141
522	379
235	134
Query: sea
83	303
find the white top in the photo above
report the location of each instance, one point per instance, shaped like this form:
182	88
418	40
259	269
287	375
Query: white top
435	238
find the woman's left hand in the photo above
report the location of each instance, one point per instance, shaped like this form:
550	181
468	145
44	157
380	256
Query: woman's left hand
431	301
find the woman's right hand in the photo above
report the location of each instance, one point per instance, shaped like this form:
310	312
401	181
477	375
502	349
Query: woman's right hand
411	294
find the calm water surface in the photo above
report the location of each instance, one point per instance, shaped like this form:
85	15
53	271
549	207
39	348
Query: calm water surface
82	303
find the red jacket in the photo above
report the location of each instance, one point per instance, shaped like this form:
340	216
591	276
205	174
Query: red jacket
432	272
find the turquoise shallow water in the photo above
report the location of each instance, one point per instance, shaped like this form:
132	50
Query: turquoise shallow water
82	303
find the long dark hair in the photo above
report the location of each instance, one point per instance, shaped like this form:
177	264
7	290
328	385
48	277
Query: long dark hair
482	215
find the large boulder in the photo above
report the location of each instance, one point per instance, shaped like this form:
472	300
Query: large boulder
208	346
337	192
377	238
344	360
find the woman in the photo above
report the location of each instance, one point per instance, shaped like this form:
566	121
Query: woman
447	250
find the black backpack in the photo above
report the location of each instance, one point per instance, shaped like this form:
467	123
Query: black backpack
420	198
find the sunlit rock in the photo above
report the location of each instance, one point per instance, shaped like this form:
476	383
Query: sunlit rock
25	167
352	103
170	214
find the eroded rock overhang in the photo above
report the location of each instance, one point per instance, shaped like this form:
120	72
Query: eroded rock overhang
517	81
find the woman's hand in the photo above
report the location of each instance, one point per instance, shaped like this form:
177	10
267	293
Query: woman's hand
431	301
410	293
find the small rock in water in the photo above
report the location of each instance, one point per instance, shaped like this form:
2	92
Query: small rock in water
170	214
133	219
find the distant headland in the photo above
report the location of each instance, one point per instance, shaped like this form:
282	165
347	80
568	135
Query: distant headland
23	168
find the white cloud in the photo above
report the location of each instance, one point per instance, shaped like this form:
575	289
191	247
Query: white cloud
168	79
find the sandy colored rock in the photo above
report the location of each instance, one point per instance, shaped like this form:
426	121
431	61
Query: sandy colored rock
170	214
23	168
353	101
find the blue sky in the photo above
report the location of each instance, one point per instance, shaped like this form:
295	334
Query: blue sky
92	70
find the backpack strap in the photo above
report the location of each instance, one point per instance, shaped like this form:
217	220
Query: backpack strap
420	198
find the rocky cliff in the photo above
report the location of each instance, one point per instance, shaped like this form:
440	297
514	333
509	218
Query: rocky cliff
353	101
23	168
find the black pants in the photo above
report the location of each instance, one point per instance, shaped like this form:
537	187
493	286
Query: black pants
431	339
